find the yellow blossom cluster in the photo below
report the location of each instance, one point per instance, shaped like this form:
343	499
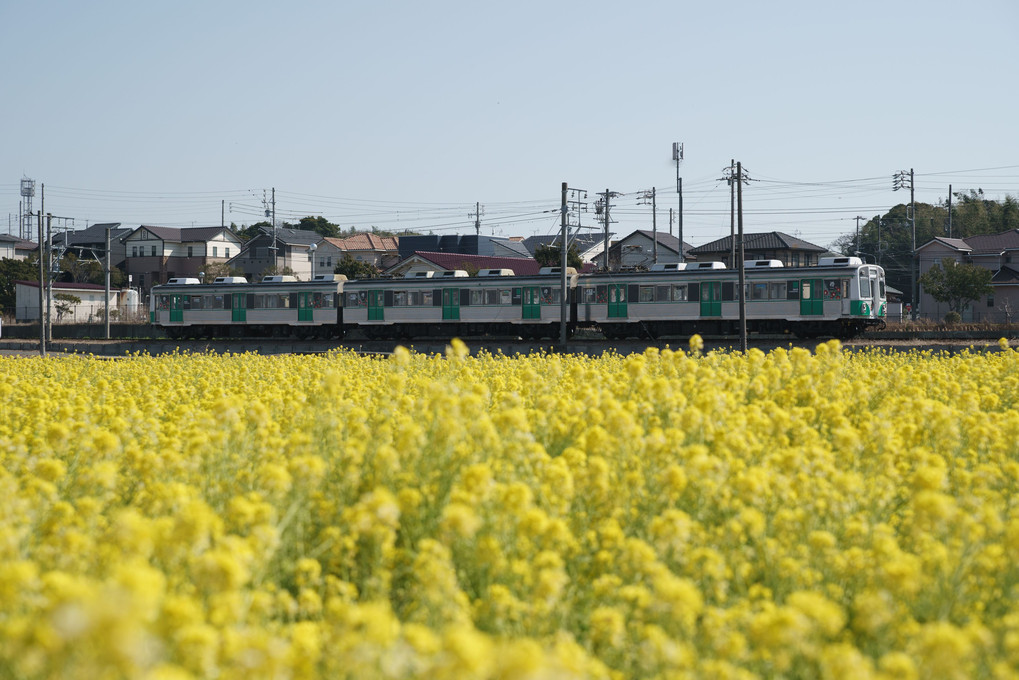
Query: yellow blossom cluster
671	514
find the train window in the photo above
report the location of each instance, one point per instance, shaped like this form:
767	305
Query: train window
662	293
163	302
400	298
318	300
477	297
491	296
505	296
759	291
647	294
792	290
603	293
776	290
589	294
679	292
196	302
864	286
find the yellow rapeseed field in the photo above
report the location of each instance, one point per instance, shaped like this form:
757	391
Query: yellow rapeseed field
797	514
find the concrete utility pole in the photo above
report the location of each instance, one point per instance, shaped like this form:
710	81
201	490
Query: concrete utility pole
106	322
742	265
477	217
49	277
604	205
899	182
949	211
650	195
732	212
564	240
42	290
677	155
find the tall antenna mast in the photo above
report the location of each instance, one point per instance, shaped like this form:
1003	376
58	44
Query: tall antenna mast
27	192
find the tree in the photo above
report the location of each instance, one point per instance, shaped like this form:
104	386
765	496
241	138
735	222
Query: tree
319	225
276	270
65	303
15	270
550	255
214	269
957	284
355	269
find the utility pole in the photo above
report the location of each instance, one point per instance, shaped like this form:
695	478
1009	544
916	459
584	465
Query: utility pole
644	198
478	212
49	277
222	213
42	289
602	207
742	264
107	310
677	155
858	218
562	267
949	211
670	221
732	212
899	182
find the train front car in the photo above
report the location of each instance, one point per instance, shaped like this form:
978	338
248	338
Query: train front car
450	304
840	297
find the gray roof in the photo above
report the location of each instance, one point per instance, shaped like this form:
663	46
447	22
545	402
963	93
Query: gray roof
1005	275
994	243
771	240
95	234
186	234
292	236
583	241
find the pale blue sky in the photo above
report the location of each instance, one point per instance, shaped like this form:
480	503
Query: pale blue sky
404	114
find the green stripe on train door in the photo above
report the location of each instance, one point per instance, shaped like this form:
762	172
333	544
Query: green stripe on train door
176	309
617	300
531	302
811	297
450	304
711	298
305	310
376	310
239	313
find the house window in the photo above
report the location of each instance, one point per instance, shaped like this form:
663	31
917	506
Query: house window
153	251
134	251
215	251
990	300
191	251
227	253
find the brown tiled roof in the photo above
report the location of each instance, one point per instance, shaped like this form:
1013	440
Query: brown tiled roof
366	242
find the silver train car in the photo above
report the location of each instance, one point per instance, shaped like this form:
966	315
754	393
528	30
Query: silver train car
840	297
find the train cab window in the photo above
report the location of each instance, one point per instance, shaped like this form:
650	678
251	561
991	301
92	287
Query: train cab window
679	292
864	285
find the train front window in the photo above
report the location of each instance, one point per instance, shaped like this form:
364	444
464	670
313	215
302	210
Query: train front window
864	284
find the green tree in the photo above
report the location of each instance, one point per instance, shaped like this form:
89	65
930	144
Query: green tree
957	284
550	255
65	303
214	269
15	270
355	269
319	225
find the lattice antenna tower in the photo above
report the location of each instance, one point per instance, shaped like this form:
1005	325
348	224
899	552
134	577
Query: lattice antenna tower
27	193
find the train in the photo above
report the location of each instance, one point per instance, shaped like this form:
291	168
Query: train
839	297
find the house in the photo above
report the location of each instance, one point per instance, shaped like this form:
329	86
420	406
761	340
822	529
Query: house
440	262
154	255
90	244
466	244
589	246
771	245
292	251
998	253
638	250
89	308
374	249
15	248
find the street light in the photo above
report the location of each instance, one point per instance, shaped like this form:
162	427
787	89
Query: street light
311	256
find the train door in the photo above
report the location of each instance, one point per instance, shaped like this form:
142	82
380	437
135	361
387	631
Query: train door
531	302
450	304
176	309
305	308
376	308
617	300
811	297
240	314
711	298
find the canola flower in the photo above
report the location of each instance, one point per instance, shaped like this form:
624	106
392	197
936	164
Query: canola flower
671	514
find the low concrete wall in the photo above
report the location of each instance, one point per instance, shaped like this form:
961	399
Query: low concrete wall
84	331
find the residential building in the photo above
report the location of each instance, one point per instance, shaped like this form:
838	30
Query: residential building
15	248
440	262
771	245
156	254
589	246
90	244
292	251
637	251
374	249
466	244
998	253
